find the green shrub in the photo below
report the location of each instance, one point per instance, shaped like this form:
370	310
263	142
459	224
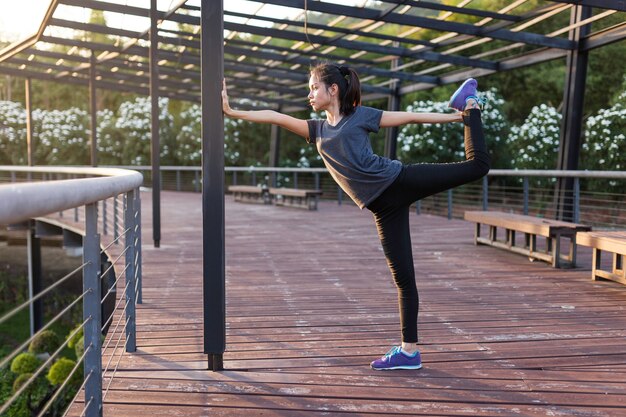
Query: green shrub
78	337
32	397
21	380
60	371
25	363
79	347
6	384
45	342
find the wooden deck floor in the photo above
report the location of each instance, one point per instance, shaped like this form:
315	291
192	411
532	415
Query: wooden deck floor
310	303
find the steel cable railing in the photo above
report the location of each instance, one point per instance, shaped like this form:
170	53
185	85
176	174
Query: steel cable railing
94	196
522	191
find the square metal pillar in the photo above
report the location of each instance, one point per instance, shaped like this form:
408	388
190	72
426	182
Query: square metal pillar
213	263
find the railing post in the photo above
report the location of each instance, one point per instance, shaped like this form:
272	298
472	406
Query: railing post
35	278
576	200
178	180
450	204
138	250
105	224
196	182
526	195
485	194
116	233
92	314
234	177
129	226
295	180
418	207
317	180
339	195
253	177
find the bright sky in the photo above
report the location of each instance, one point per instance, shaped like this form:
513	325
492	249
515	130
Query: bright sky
21	18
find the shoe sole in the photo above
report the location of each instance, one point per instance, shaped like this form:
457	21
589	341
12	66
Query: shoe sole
457	92
409	367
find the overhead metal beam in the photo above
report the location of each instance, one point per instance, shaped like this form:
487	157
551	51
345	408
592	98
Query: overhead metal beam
336	29
459	10
604	37
602	4
361	46
95	28
427	23
100	84
18	47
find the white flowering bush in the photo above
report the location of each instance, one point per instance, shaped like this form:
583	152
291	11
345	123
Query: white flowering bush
605	144
605	138
61	136
188	148
110	139
535	144
133	122
444	142
12	133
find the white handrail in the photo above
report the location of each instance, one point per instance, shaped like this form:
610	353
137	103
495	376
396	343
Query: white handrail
23	201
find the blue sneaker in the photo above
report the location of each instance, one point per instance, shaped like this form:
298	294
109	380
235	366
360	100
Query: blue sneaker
396	359
460	96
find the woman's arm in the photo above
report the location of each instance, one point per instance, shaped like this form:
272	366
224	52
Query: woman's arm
297	126
399	118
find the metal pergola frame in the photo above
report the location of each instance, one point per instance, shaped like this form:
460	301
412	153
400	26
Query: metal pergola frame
183	53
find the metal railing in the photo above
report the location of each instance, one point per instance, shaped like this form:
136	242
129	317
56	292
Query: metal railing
106	211
595	200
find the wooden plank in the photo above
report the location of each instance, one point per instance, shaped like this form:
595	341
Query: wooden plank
296	192
612	241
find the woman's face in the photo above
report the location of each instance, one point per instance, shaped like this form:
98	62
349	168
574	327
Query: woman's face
320	95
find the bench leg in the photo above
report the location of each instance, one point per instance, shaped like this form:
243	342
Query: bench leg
556	252
532	244
510	237
527	240
572	250
618	267
596	263
476	233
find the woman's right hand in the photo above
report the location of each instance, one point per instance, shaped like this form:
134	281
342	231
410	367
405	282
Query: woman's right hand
225	105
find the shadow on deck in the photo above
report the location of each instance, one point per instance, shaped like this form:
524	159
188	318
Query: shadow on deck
310	303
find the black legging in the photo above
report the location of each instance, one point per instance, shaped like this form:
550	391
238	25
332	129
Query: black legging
391	212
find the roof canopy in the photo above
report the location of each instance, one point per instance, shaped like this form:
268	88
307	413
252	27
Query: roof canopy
268	50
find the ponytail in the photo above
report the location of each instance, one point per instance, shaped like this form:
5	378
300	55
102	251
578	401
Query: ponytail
347	81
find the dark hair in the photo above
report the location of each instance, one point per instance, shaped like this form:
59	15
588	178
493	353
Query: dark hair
347	81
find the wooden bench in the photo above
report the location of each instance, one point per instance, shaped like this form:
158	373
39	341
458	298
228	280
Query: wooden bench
294	197
609	241
250	194
552	230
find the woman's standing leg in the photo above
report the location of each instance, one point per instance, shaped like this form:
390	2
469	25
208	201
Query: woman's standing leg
394	233
392	222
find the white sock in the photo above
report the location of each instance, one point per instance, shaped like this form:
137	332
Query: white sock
409	354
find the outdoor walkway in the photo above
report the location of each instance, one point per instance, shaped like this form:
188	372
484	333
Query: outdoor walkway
310	303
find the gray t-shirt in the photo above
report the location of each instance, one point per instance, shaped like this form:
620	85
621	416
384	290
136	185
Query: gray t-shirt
347	153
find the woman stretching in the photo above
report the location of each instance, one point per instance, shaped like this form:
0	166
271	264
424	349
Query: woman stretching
385	187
